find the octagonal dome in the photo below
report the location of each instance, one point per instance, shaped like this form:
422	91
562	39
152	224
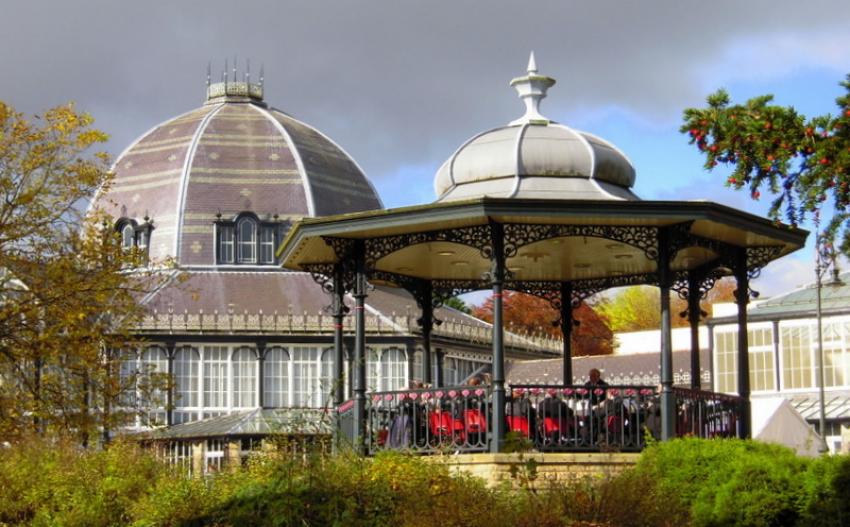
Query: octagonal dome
233	155
534	157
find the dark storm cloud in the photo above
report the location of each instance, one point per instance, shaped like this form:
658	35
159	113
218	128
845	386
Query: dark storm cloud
396	83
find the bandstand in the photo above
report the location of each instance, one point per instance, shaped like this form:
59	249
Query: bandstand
537	207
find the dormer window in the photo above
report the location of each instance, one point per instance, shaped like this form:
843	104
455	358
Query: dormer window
134	235
246	240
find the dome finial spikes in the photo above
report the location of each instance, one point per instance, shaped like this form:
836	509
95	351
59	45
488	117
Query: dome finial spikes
532	64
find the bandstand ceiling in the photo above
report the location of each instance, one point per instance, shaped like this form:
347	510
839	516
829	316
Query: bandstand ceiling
561	258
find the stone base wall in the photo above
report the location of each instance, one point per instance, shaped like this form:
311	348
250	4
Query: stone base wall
538	469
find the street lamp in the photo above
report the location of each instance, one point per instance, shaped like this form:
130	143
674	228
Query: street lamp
824	258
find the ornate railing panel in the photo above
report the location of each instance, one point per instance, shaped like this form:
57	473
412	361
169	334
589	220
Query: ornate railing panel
451	419
706	414
549	418
579	417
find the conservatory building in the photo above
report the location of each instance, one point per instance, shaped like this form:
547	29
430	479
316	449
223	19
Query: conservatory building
214	191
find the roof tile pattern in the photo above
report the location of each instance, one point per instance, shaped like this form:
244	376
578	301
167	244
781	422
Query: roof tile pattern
228	157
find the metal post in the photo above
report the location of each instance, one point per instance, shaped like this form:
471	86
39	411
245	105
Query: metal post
693	318
497	277
742	297
169	392
360	346
567	330
261	369
665	281
426	322
338	314
819	270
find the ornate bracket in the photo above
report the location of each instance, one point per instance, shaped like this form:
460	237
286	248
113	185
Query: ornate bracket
477	236
758	257
644	238
680	237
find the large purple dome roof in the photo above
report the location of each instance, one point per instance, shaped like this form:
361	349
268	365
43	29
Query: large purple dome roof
230	156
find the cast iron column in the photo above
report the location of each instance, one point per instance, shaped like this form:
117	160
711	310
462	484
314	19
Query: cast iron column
693	319
497	278
338	307
359	346
169	392
426	322
441	380
665	281
567	330
742	294
261	373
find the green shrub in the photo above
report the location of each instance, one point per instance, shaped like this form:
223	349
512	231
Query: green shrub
748	483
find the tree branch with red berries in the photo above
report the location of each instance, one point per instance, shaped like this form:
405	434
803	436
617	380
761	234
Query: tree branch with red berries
803	163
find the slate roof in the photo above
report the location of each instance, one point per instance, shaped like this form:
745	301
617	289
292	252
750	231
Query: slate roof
296	421
230	156
637	368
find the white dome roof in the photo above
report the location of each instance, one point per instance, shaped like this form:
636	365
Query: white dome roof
534	157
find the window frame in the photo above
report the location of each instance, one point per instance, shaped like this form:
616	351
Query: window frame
260	246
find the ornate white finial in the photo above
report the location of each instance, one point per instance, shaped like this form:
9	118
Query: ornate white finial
532	89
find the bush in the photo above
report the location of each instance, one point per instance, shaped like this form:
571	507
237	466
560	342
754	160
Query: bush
747	483
683	482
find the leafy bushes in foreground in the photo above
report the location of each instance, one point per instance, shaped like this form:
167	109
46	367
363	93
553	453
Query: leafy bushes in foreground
744	483
684	482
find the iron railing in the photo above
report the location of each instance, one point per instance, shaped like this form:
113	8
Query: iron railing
547	418
450	419
578	417
706	414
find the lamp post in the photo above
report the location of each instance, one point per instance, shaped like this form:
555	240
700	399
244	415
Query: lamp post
824	258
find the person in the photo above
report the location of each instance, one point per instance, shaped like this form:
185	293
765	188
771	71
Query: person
594	383
555	418
597	392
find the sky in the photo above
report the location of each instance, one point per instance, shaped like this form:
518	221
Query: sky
400	84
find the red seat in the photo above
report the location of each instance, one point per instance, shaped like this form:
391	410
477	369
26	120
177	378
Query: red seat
475	421
519	424
552	425
443	424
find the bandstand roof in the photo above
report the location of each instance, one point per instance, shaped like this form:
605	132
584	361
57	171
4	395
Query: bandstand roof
557	240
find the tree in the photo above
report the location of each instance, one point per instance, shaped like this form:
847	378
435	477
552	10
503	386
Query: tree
66	300
456	303
639	308
531	314
804	163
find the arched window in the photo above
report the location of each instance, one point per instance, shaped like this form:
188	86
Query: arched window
276	378
327	376
393	369
373	370
127	375
215	376
305	377
244	378
186	371
128	236
153	372
246	240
